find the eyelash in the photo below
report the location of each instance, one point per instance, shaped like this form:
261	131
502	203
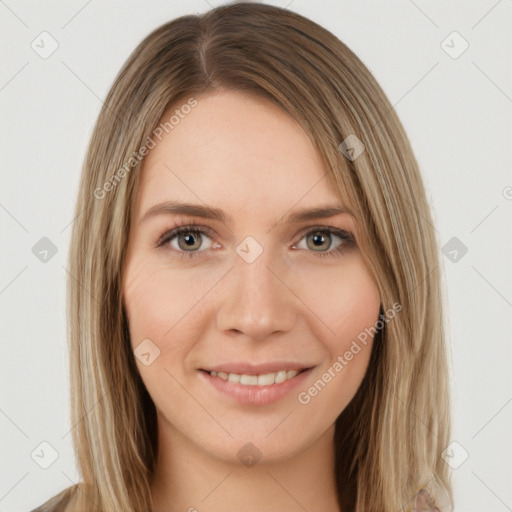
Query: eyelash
346	237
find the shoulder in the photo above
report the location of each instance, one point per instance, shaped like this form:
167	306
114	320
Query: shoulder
59	502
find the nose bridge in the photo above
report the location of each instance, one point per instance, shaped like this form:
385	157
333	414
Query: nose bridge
256	301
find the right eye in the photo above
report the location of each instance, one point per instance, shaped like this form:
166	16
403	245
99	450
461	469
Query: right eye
187	240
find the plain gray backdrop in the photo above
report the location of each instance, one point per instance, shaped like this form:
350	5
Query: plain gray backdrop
455	103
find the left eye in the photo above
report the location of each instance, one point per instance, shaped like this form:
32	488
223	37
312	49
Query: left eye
322	240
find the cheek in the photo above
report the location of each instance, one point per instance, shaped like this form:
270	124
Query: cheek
345	300
349	311
163	305
145	305
157	298
153	307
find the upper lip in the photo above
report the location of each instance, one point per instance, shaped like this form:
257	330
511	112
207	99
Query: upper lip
256	369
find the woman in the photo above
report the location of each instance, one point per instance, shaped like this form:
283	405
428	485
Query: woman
255	312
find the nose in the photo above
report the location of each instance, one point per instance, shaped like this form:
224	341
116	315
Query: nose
256	299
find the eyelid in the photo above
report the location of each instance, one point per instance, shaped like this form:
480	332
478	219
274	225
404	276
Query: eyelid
330	229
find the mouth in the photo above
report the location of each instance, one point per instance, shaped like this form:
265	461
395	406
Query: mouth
259	385
252	379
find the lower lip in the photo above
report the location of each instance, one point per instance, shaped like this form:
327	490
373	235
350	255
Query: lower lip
256	395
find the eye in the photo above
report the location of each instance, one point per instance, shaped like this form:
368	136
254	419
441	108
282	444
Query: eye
326	240
187	240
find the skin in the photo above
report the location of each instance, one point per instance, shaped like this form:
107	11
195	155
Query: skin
238	152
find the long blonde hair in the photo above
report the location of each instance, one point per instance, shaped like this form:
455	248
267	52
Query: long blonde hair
389	439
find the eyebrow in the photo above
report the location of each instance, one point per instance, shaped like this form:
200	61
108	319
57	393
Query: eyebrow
209	212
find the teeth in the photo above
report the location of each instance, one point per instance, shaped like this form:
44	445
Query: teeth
280	376
267	379
233	377
249	380
257	380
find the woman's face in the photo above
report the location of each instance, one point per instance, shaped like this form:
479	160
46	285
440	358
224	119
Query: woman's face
259	288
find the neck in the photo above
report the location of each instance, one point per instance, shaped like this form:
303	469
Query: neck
189	479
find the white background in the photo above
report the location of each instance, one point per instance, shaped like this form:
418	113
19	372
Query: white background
457	113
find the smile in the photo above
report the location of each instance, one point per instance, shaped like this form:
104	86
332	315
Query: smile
266	379
255	389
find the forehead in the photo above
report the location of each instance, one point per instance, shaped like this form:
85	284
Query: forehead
235	149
